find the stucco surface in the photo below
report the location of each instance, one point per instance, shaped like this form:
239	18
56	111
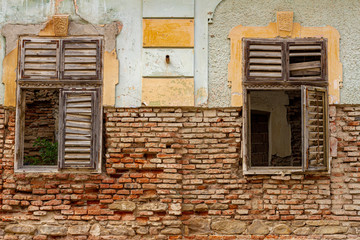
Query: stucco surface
340	14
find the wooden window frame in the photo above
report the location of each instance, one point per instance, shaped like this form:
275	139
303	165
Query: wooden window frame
285	82
246	136
61	84
60	60
285	78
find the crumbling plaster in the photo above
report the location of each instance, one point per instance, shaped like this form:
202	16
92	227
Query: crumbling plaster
93	13
341	15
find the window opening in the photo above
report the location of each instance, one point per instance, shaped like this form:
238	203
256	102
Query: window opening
41	127
275	123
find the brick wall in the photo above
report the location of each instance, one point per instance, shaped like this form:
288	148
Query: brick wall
175	173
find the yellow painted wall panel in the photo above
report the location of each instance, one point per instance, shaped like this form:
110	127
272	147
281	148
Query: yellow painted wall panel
9	78
168	33
168	91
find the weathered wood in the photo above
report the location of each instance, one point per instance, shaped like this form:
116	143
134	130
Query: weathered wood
304	47
315	127
81	98
79	125
265	74
36	66
304	65
84	52
266	67
264	54
80	66
305	54
81	60
265	60
308	72
80	45
41	52
265	47
39	60
81	132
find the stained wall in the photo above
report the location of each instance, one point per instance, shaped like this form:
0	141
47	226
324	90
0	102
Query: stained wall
230	13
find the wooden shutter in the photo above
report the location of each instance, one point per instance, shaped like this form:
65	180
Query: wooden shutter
307	60
315	128
39	59
264	60
81	59
79	128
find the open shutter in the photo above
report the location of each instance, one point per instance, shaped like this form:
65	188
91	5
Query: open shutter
79	128
39	59
315	128
81	59
264	60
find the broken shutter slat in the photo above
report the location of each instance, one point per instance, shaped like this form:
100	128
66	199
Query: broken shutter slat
81	59
79	128
264	60
314	128
307	60
39	59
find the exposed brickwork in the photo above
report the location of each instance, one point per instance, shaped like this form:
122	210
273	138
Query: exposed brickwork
173	173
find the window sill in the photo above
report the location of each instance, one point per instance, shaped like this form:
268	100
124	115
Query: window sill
55	169
272	170
281	171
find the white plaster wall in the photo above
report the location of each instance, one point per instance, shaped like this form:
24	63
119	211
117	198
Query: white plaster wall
341	14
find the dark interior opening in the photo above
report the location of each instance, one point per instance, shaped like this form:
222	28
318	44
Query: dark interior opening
41	127
274	115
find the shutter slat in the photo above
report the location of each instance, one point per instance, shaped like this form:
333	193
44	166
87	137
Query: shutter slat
82	52
305	54
80	45
265	54
265	74
265	47
265	60
304	47
265	68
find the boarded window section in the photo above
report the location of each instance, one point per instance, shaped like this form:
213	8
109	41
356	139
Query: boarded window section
81	59
39	59
264	60
79	127
315	127
307	60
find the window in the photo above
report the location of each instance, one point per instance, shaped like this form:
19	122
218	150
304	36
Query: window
59	103
285	106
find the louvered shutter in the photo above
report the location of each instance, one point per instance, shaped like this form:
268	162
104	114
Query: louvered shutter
307	60
315	128
79	128
264	60
39	59
81	59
